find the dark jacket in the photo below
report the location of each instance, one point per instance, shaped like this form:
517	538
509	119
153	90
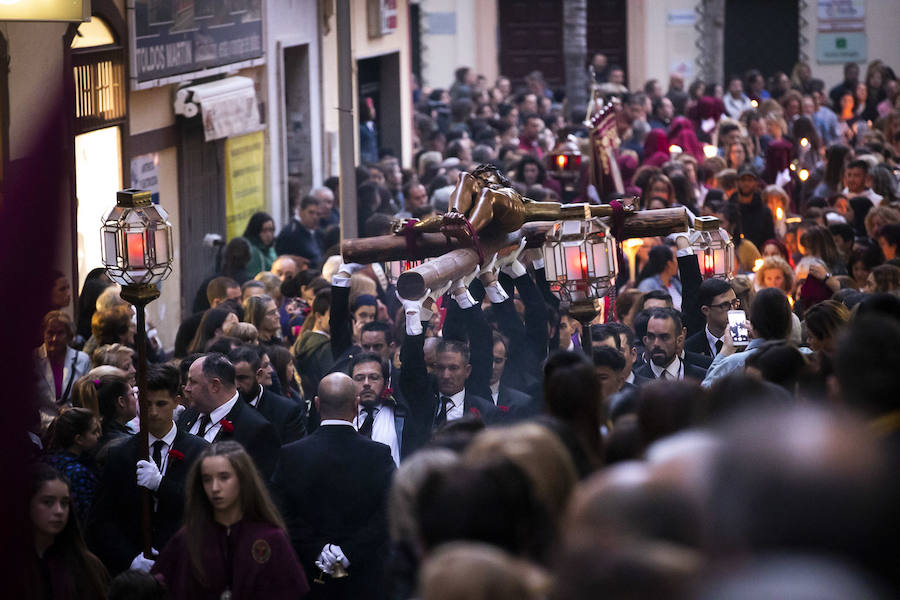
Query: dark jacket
698	343
420	389
332	488
284	414
296	239
690	372
313	359
115	530
518	405
697	359
251	430
756	219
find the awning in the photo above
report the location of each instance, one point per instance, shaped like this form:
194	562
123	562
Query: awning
228	106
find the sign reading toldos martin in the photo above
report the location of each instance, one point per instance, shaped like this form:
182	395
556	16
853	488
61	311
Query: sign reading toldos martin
173	37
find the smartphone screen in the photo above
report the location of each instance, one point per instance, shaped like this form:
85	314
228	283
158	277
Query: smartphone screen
739	333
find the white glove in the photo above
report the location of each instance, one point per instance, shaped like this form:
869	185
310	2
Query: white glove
415	313
144	564
512	257
323	563
495	292
466	280
341	277
489	267
330	556
336	555
463	297
148	475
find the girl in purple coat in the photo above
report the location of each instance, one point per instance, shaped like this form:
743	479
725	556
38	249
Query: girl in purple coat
233	544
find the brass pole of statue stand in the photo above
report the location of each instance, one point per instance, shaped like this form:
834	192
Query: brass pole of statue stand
140	296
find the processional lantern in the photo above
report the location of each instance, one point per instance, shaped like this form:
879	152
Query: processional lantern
713	247
581	263
136	247
136	241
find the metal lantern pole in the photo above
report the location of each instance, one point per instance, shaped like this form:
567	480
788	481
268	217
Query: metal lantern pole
140	296
136	238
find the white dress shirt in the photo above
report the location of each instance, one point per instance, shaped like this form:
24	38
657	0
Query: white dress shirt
495	392
384	430
869	193
630	378
711	340
456	410
168	439
255	402
215	417
674	370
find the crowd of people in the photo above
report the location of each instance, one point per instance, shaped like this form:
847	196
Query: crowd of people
312	434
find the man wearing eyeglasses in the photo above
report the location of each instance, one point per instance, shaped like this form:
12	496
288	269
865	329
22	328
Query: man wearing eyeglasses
716	298
382	417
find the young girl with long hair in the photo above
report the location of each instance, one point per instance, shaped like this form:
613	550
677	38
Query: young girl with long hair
72	436
233	543
62	566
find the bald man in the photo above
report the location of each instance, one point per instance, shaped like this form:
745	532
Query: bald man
332	486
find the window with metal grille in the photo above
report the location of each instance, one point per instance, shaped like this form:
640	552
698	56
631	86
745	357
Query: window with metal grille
98	62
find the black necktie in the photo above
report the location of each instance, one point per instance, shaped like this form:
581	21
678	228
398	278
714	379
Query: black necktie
157	453
366	428
719	346
204	424
442	415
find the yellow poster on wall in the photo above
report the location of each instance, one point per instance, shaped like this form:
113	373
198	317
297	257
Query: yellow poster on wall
244	180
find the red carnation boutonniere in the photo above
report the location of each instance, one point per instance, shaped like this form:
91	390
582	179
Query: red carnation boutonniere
175	454
227	426
387	393
475	411
503	408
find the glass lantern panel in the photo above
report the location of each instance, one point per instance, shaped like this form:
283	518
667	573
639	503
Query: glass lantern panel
601	260
134	249
110	258
721	267
161	246
551	259
576	262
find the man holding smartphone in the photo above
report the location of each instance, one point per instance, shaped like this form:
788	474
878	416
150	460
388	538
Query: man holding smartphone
770	318
715	297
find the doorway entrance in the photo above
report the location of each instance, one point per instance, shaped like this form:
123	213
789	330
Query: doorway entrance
763	35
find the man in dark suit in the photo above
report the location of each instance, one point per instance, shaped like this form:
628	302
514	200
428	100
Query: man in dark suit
383	415
441	397
115	530
252	373
301	236
506	398
332	487
715	297
664	336
215	412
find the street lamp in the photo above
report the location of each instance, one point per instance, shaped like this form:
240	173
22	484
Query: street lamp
581	262
136	242
713	247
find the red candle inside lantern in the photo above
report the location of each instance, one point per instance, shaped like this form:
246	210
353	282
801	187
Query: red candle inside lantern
134	245
708	266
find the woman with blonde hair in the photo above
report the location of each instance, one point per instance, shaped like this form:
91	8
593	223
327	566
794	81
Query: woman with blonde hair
233	543
775	272
246	332
57	364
